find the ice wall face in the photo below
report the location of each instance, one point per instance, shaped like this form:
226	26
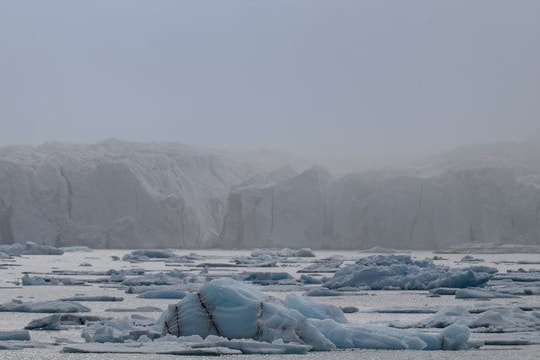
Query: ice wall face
457	206
486	194
117	195
286	213
125	195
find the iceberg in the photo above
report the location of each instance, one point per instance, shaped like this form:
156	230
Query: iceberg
493	320
284	252
148	254
18	335
30	248
234	310
61	321
53	306
402	272
162	294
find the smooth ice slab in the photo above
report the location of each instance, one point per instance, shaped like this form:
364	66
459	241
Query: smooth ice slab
54	306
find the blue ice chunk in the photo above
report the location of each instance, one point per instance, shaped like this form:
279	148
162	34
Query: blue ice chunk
54	306
163	294
18	335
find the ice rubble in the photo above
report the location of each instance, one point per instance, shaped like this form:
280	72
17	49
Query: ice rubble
402	272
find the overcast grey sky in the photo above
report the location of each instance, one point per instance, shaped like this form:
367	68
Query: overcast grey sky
373	79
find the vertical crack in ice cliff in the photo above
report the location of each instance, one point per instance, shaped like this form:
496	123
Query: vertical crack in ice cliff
6	230
69	191
272	212
417	214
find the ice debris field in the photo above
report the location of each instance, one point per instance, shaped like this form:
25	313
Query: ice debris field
267	301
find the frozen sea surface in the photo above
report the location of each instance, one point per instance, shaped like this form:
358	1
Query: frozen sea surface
376	307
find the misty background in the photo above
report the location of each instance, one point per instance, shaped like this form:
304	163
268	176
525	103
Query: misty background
348	83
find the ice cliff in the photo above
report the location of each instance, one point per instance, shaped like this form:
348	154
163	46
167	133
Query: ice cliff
115	194
480	194
145	195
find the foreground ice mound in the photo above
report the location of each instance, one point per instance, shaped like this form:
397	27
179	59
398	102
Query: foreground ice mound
231	309
402	272
228	308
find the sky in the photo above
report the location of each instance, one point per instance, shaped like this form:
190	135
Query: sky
337	80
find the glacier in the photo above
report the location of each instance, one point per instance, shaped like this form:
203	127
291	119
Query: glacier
116	194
